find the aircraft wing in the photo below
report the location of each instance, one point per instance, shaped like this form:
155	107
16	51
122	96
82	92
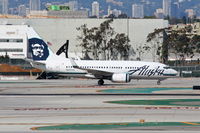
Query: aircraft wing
96	73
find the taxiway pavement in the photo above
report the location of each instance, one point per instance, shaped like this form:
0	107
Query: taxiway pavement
22	113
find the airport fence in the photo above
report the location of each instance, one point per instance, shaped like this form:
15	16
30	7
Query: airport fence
188	71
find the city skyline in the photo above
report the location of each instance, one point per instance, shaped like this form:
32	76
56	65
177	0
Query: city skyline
174	8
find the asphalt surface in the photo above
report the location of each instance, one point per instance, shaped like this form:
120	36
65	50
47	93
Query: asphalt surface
26	105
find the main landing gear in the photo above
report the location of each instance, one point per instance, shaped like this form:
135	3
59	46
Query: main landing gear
159	82
100	82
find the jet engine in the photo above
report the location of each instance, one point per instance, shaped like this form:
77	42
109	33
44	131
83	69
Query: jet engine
121	78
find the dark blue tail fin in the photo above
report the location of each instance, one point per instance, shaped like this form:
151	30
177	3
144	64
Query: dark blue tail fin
37	49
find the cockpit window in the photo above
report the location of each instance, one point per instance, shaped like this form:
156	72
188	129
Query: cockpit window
167	67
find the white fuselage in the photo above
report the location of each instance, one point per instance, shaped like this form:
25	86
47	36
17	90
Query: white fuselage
136	69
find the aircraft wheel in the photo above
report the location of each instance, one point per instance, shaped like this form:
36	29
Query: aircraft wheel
158	82
100	82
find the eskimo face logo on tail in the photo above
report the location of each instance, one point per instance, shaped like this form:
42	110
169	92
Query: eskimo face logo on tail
38	49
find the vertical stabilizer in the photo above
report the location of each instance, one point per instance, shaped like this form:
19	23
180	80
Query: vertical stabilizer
37	48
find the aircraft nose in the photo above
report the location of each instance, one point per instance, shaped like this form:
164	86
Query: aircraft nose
174	72
170	72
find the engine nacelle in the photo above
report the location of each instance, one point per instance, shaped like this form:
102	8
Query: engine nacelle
121	78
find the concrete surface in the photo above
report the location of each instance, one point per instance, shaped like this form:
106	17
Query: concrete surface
85	86
20	113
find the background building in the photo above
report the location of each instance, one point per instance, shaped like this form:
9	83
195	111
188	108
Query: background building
68	14
109	10
34	5
73	5
137	11
114	12
167	8
22	10
13	41
60	11
58	14
57	31
3	6
190	13
159	13
95	9
175	10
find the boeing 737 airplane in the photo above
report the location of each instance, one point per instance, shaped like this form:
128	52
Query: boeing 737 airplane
40	56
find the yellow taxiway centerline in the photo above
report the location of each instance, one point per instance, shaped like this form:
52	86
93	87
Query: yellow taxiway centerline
190	123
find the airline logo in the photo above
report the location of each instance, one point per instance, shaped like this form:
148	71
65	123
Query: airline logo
146	71
38	49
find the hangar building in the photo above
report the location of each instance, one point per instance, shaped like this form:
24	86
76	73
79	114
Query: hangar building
57	31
